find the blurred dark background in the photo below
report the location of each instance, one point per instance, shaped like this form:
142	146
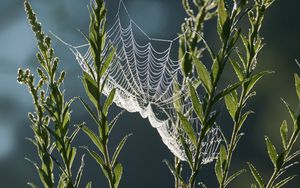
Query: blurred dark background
143	155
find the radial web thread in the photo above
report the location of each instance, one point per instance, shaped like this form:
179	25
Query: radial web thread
144	77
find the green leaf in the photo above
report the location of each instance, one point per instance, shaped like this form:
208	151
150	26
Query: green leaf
91	88
108	102
79	172
297	85
100	161
185	58
187	127
197	106
71	157
177	102
119	148
118	171
271	151
223	21
280	160
253	186
283	133
89	110
114	121
89	185
256	175
221	163
291	157
243	119
291	112
187	151
211	121
238	70
284	181
215	69
255	78
233	176
46	179
227	90
107	62
203	74
173	170
223	156
231	105
95	139
218	170
222	13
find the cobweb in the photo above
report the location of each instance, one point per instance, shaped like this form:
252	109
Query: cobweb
144	76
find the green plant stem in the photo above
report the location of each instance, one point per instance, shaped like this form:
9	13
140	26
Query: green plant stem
236	127
208	110
178	169
233	139
292	141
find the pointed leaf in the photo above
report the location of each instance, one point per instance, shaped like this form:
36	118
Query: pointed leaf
187	127
218	170
233	176
291	157
203	74
119	148
280	160
196	103
297	85
79	172
173	170
118	171
89	110
284	181
256	175
223	156
231	105
187	151
95	139
283	133
291	112
89	185
243	119
114	121
107	62
228	90
271	151
222	13
176	90
91	88
109	101
100	161
238	70
256	78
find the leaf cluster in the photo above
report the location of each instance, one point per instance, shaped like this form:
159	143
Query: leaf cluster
52	116
285	159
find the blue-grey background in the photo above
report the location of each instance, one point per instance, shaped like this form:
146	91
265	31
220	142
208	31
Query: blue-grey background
143	155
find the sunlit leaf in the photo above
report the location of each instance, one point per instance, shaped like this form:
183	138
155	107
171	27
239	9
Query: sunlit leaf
271	151
187	127
256	175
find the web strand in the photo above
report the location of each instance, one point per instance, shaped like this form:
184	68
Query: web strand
144	78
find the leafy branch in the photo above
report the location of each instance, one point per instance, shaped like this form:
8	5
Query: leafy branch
52	116
208	79
236	102
94	80
284	160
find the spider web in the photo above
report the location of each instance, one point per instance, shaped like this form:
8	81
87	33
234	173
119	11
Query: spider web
144	76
